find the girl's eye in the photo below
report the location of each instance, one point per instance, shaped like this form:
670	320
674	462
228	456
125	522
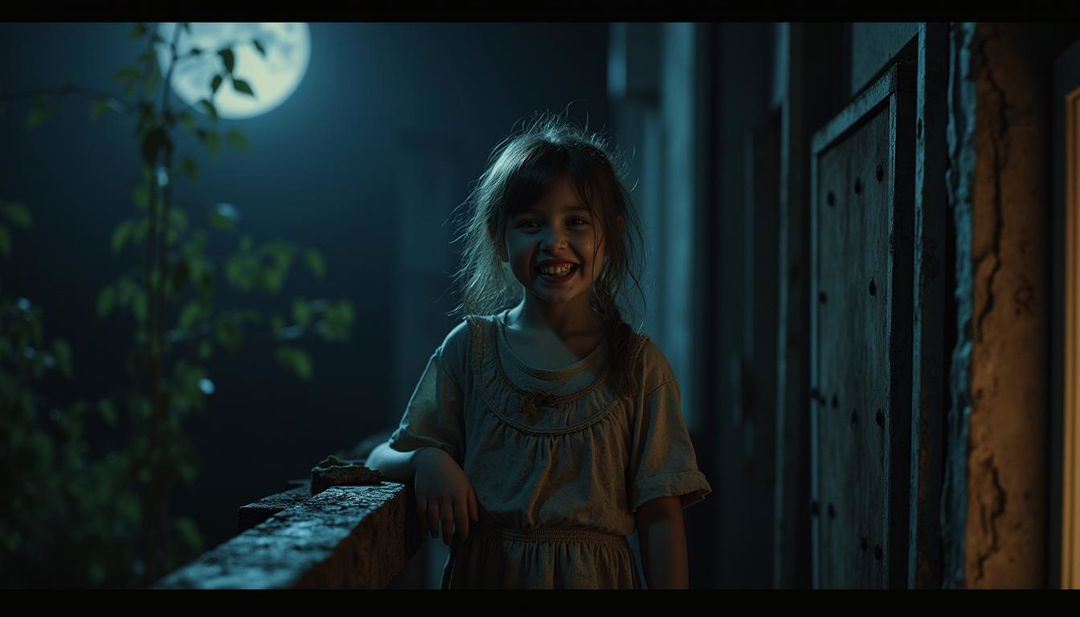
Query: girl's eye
577	220
528	224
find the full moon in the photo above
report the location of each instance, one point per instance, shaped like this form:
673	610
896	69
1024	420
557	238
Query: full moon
272	78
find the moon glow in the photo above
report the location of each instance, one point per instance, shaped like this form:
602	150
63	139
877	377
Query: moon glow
272	78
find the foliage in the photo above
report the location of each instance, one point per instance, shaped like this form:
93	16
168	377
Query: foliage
107	522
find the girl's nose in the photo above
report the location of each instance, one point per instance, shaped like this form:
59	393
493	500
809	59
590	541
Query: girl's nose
554	239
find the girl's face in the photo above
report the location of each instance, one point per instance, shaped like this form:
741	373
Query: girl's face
555	248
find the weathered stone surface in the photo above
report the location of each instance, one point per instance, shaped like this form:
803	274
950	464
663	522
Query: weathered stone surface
257	512
333	471
344	537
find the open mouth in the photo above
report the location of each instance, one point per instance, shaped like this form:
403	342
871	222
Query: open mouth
558	273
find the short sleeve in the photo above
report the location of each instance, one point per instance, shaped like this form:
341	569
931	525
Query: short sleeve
433	415
663	463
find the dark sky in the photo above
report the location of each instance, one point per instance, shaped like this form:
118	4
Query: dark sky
318	173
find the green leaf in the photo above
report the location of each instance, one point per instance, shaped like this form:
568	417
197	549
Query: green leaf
204	281
301	312
228	59
237	139
344	310
139	229
281	252
153	79
315	262
178	217
209	108
239	272
138	30
246	242
138	306
140	406
213	143
43	448
295	359
140	196
228	333
108	411
191	313
99	108
186	119
271	281
215	83
189	169
126	292
221	222
188	533
195	245
126	74
259	47
121	235
62	351
5	240
242	87
36	116
18	214
339	317
105	300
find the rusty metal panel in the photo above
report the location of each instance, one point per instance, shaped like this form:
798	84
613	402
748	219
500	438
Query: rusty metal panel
860	352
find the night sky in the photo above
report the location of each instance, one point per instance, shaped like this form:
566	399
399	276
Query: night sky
317	173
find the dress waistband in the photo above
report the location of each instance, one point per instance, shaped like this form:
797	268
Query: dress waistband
551	534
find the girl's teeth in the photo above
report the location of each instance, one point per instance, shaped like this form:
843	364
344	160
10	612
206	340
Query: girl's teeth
563	271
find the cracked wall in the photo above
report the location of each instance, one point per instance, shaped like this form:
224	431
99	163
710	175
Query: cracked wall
1006	441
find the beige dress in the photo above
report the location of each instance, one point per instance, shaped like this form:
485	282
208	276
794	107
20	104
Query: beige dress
559	464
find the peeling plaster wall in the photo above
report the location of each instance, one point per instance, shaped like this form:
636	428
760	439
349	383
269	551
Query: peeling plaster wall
960	103
1006	445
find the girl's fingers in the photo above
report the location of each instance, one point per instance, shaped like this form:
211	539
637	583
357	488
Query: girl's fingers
446	508
422	511
474	508
433	518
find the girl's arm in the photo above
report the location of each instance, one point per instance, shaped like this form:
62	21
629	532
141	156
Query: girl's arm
445	499
393	465
662	537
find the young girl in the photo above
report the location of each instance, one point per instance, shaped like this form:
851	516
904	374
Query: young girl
544	430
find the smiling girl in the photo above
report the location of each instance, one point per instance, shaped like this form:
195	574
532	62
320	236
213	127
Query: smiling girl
544	429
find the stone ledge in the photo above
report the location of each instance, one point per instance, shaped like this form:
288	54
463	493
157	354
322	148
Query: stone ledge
256	512
344	537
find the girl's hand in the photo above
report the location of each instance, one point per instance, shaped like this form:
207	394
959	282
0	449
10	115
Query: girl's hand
444	496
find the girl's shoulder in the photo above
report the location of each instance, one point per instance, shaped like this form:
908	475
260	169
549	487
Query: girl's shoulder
652	364
460	341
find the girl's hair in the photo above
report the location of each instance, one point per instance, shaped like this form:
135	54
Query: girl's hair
522	169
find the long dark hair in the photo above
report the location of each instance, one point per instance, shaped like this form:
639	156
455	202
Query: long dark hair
522	169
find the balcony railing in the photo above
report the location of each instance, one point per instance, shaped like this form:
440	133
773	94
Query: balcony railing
343	537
